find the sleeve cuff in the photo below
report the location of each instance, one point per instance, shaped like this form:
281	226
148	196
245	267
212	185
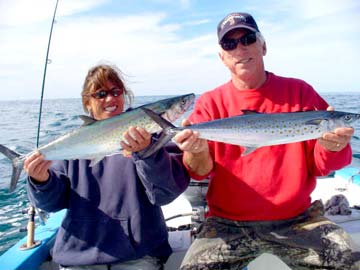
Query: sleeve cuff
40	185
194	175
334	160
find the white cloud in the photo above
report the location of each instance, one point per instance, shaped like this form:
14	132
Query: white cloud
159	56
185	3
316	41
151	52
314	9
22	12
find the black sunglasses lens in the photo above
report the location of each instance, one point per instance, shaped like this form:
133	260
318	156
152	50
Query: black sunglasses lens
100	94
116	92
228	44
231	43
104	93
248	39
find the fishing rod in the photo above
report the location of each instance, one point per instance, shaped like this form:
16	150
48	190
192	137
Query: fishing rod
44	76
31	243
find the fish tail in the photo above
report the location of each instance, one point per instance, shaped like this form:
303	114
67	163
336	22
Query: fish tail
17	165
164	138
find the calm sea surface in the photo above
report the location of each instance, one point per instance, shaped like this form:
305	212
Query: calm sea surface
18	129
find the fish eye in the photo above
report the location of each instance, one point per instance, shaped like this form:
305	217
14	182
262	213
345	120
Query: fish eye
347	117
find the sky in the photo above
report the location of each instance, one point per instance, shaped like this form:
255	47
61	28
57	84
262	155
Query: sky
169	47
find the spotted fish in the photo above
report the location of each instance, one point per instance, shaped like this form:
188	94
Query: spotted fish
253	130
96	139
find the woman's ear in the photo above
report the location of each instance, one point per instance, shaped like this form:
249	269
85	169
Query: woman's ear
88	107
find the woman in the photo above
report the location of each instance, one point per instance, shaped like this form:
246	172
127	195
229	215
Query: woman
114	219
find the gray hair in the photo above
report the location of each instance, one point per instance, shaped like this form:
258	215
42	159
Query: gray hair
260	37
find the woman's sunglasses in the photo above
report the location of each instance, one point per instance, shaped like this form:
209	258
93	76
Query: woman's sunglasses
100	94
229	44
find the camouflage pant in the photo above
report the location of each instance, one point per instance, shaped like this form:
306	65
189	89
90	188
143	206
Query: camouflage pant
308	241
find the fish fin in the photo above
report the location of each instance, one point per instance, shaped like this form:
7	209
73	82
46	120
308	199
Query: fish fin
17	165
16	172
248	150
162	140
163	123
314	122
87	120
95	161
165	136
248	112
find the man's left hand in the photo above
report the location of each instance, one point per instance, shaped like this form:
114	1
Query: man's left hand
338	139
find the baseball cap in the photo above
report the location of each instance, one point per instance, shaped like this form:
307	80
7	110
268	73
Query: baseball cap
236	20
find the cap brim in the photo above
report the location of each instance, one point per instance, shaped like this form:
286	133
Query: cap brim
237	27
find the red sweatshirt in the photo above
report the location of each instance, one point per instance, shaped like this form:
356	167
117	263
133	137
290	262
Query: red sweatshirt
273	182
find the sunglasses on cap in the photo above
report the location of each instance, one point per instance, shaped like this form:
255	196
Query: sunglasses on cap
100	94
229	44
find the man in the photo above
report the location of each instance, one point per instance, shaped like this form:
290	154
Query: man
261	202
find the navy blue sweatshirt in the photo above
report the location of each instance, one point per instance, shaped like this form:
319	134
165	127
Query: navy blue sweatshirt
113	208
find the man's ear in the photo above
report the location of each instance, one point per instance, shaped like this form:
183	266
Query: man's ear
264	49
220	56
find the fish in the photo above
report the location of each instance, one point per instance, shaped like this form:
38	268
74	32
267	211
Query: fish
96	139
253	130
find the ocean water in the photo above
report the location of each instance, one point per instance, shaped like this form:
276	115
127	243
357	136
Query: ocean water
18	129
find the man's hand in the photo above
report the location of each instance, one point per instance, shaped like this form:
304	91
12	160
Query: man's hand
188	140
338	139
196	151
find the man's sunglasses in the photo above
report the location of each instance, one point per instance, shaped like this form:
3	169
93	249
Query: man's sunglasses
229	44
100	94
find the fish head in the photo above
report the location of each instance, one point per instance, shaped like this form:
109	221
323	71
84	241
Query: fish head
175	107
343	119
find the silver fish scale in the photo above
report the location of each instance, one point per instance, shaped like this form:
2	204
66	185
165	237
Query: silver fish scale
280	131
92	141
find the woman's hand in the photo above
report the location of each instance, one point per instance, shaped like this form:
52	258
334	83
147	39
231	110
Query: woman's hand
37	167
136	139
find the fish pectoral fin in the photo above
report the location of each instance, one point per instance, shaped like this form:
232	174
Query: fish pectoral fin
95	160
248	150
161	141
315	122
87	120
162	122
